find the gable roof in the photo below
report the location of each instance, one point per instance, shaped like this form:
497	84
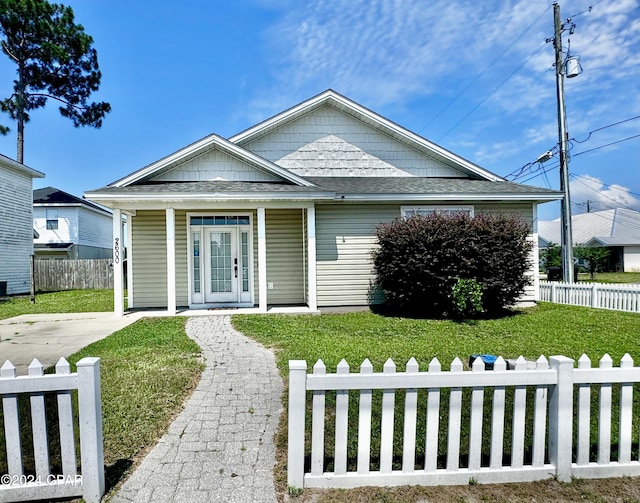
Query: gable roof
213	141
6	162
371	119
50	196
614	227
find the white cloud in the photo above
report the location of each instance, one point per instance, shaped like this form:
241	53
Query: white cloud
589	188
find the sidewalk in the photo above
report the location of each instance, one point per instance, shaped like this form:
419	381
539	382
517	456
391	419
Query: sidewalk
220	447
48	337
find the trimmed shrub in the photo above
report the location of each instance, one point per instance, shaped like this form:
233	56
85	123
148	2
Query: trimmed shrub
421	258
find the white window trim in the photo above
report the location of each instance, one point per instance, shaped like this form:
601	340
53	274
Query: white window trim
406	211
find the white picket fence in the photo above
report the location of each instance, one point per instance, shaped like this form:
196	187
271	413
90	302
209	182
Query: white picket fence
16	485
619	297
548	422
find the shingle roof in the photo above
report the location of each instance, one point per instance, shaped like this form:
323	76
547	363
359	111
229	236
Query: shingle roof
51	195
207	187
339	188
419	185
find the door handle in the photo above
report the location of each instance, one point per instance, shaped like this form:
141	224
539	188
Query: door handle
235	266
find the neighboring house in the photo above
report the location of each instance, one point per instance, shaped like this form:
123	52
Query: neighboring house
285	213
70	227
617	229
16	225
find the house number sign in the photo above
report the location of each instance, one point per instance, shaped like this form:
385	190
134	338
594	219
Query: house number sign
116	250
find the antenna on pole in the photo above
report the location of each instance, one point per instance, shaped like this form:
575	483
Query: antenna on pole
567	235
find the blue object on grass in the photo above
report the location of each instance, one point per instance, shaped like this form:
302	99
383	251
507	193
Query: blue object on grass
488	360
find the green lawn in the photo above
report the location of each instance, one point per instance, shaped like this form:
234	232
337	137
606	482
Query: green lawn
547	330
148	369
73	301
612	277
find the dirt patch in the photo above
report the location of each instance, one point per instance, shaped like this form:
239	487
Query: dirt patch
620	490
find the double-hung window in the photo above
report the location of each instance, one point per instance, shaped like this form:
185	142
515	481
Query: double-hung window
52	220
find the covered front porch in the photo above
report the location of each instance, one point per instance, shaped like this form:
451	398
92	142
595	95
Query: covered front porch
214	258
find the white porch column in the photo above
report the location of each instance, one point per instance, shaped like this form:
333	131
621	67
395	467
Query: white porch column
312	296
171	261
130	301
262	260
118	257
536	253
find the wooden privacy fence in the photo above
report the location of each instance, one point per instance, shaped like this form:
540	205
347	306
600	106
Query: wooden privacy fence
541	443
619	297
81	274
18	484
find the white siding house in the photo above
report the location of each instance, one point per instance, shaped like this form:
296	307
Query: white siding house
70	227
16	225
617	229
285	213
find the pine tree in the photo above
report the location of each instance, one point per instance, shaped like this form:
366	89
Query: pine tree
54	59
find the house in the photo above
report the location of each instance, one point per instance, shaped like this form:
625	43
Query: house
617	229
70	227
16	225
285	212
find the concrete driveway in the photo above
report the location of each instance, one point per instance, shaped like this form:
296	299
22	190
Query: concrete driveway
48	337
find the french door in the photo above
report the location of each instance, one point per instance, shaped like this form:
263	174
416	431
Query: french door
220	265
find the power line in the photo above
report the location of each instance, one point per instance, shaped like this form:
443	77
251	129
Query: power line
517	173
483	71
607	145
602	193
586	11
492	92
605	127
603	184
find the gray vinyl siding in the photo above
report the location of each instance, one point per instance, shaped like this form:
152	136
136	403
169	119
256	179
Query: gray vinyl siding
182	257
16	229
215	165
94	229
149	254
285	261
345	236
329	142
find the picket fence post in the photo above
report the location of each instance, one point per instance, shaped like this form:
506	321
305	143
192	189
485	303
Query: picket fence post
90	419
297	408
594	295
561	417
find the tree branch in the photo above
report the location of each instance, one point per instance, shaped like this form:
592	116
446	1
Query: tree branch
9	53
44	95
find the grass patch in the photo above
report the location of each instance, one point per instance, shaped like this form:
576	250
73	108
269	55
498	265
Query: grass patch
612	277
147	371
71	301
547	329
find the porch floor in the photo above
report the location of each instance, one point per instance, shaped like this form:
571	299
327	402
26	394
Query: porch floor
226	311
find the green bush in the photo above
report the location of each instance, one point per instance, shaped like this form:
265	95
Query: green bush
466	297
421	258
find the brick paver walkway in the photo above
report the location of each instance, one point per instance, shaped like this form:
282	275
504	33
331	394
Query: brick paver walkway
220	447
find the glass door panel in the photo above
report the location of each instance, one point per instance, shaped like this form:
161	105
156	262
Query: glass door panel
221	277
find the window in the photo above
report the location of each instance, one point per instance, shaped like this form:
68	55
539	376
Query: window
52	220
407	211
220	220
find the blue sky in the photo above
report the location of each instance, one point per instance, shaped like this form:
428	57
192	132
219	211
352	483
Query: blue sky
474	77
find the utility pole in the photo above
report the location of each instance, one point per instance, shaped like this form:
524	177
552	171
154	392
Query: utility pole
567	235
